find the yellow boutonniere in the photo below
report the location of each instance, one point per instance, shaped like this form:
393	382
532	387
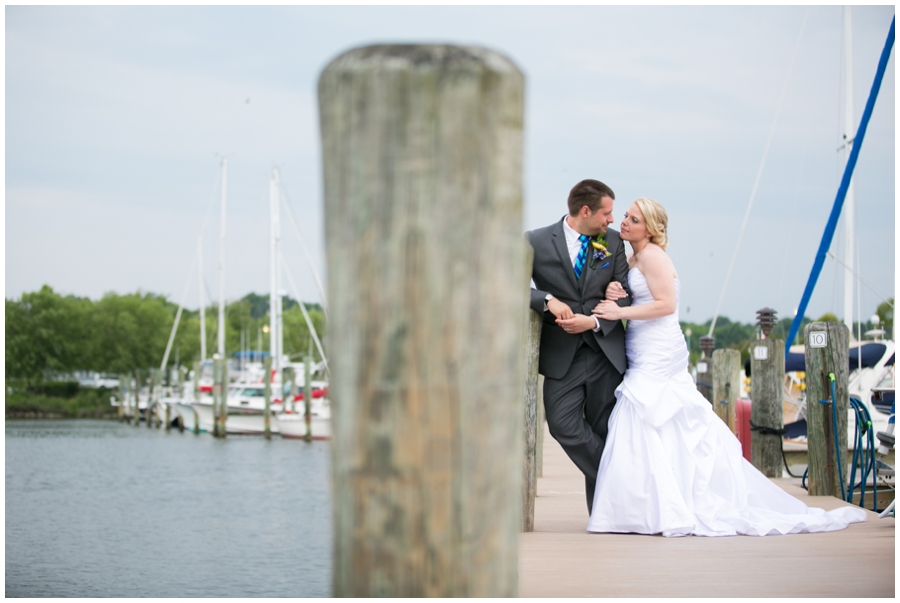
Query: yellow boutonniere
600	251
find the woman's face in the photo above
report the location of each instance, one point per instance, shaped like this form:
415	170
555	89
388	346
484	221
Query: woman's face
633	226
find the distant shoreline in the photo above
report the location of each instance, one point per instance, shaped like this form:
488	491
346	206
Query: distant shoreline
41	414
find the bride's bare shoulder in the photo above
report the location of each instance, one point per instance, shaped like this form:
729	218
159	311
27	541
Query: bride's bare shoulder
655	258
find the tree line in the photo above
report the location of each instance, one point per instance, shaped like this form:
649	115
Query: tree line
49	336
738	336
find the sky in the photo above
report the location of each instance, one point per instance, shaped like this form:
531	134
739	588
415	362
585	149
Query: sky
118	117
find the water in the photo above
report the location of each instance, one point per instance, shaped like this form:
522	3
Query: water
105	509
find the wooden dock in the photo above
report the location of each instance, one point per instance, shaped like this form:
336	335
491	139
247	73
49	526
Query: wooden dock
560	559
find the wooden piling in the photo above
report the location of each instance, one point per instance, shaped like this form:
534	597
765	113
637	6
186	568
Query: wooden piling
150	413
267	396
542	418
136	411
767	414
532	353
220	395
307	396
197	366
726	384
123	397
288	379
422	160
705	369
826	351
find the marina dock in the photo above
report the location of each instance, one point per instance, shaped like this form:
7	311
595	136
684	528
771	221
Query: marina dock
561	559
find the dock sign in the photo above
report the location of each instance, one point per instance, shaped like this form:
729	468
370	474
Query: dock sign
818	339
761	352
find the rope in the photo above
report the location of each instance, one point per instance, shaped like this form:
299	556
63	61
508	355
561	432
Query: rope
762	164
767	430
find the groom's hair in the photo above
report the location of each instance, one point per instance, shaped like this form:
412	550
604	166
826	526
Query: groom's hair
590	193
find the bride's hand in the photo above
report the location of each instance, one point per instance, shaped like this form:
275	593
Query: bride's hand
615	291
608	310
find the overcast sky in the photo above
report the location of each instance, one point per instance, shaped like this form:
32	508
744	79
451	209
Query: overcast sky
117	119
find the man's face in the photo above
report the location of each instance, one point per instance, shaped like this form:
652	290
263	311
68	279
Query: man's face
602	218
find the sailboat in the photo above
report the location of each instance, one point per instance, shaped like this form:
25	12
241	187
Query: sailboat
871	367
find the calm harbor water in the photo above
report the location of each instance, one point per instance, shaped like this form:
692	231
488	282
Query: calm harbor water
105	509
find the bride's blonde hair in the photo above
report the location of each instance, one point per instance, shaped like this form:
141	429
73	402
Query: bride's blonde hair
656	219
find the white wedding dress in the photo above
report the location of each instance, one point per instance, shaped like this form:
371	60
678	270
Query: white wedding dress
671	466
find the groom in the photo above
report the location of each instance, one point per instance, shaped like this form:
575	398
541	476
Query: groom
582	357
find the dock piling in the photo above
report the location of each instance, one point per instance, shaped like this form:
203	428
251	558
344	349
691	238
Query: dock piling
826	354
726	384
267	396
767	399
422	162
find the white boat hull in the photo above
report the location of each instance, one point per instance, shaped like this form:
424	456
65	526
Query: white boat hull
240	421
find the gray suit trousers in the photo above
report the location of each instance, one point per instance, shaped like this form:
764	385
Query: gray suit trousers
578	407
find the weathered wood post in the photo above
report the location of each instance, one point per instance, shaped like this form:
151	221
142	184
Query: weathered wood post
136	411
220	393
152	397
307	396
123	397
422	158
826	351
542	418
705	368
289	378
533	324
197	366
267	396
767	396
726	382
532	352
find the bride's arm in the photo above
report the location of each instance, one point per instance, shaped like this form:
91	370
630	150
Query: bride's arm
657	268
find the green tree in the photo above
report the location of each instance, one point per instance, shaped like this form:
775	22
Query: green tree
885	312
130	331
828	317
45	335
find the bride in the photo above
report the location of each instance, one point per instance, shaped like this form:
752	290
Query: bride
670	465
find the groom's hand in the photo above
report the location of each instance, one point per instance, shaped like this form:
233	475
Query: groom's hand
559	309
577	324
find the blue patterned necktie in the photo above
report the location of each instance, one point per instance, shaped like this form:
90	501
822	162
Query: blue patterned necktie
582	255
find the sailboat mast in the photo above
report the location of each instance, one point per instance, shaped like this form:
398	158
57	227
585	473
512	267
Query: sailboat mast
274	299
202	301
849	206
279	307
222	261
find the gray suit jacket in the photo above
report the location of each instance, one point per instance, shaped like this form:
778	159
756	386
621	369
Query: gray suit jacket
552	272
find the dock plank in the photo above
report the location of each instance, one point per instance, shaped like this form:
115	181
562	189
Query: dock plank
561	559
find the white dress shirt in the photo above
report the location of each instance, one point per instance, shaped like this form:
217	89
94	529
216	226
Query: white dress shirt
573	244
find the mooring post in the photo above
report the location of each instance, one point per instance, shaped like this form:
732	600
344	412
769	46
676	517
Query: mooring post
532	351
197	366
533	323
726	384
307	396
151	387
218	396
223	397
422	160
826	350
767	396
542	418
123	400
267	396
288	388
705	368
137	396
